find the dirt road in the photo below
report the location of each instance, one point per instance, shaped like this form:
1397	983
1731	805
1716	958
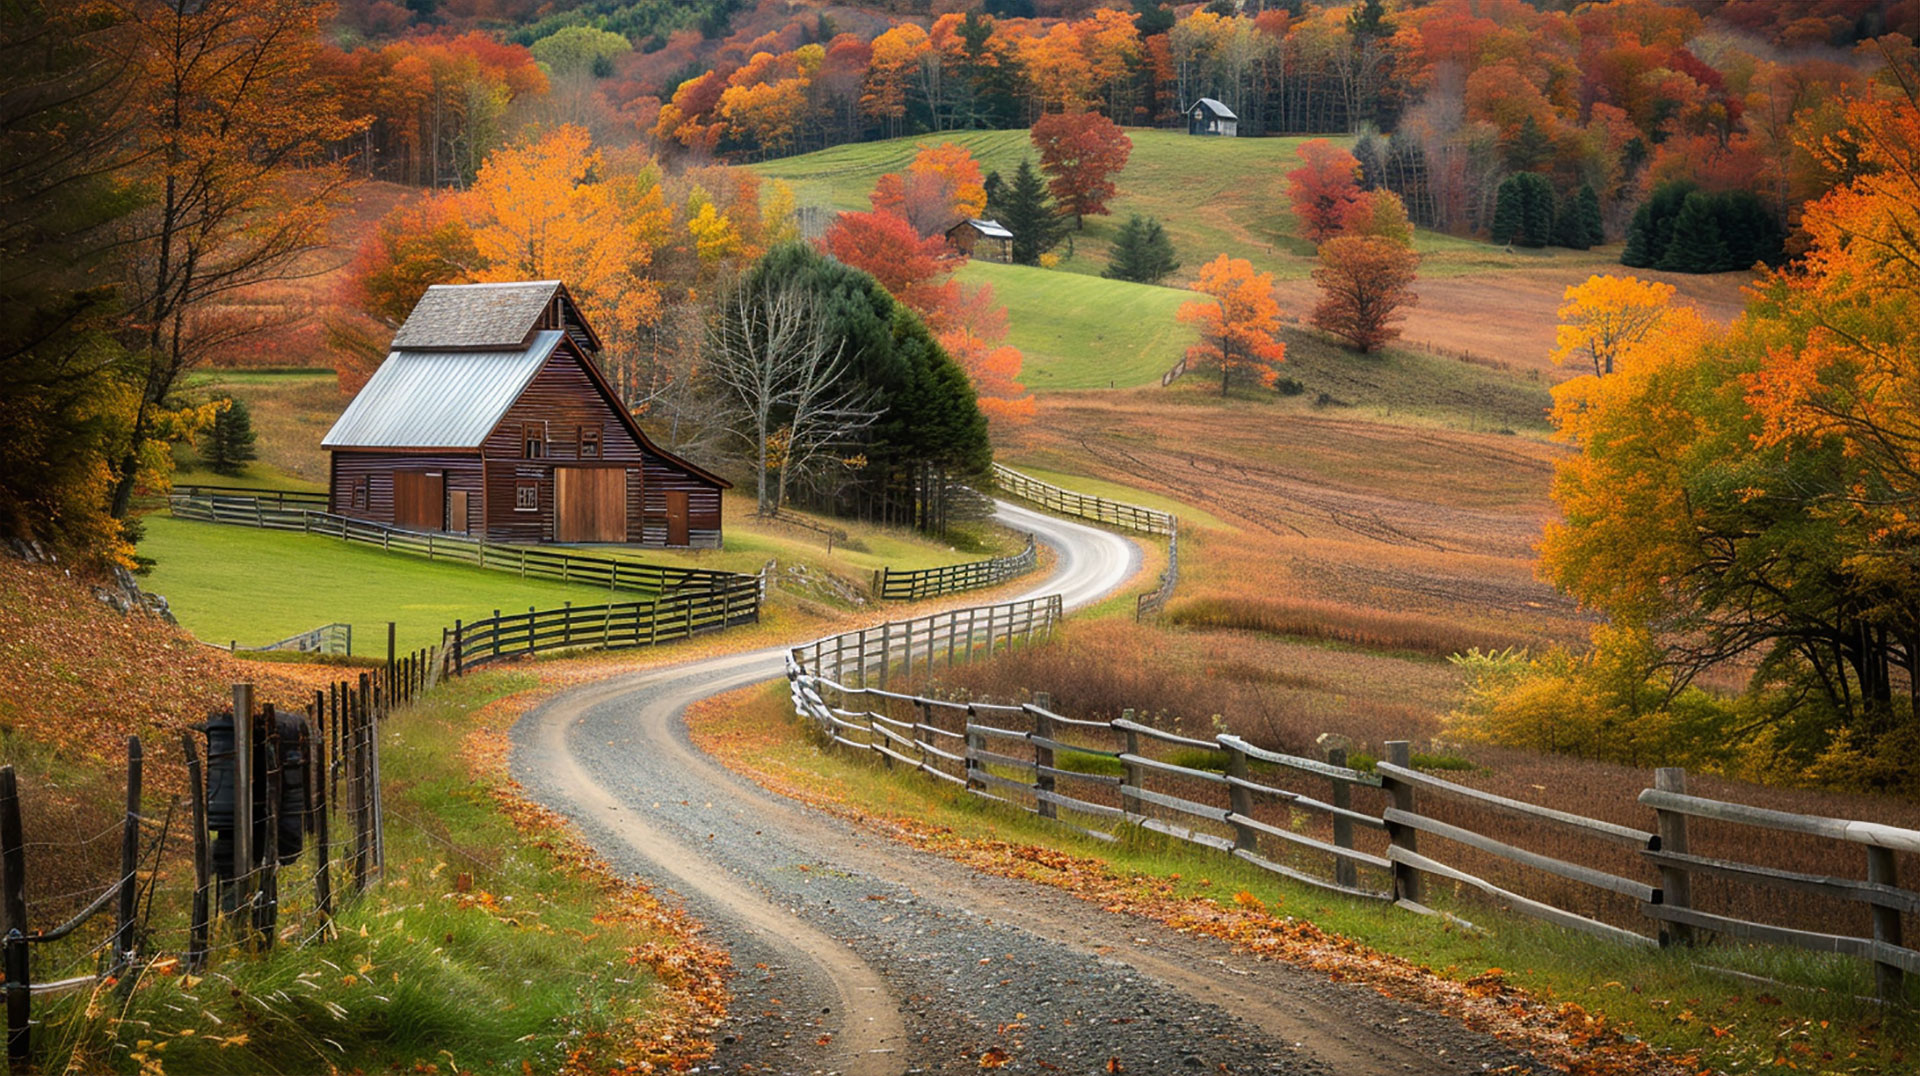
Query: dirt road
857	955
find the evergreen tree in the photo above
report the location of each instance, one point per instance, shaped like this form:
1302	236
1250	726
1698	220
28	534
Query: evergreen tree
1749	230
1528	149
229	444
1142	252
1568	229
1591	223
1523	210
1696	245
996	189
1652	227
1028	213
1371	151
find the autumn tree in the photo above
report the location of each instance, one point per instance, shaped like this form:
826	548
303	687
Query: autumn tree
1238	324
1323	188
414	247
233	124
1378	213
1365	283
940	187
1603	317
886	247
1081	153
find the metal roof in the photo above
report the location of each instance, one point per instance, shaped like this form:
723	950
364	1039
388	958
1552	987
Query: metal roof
439	399
1218	109
991	228
475	317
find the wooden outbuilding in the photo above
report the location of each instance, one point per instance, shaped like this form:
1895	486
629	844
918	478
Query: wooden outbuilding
1209	117
490	416
987	239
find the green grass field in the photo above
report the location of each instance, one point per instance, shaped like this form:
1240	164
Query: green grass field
1213	195
1086	332
236	583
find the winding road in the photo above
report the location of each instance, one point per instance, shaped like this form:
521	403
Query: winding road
857	955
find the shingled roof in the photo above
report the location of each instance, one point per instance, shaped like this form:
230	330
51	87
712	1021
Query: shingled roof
476	317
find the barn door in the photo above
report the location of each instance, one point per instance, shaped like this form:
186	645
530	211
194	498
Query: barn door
677	517
457	511
419	501
590	504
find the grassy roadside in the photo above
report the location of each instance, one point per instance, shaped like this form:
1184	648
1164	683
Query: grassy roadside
496	942
1569	998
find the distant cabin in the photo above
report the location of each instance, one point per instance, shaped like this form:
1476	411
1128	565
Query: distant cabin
1209	117
988	239
490	416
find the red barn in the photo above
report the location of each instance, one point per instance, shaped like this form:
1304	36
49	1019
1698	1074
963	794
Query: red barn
491	417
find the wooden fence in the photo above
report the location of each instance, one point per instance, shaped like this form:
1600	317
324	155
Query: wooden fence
1155	600
335	638
958	635
529	562
613	626
334	744
278	498
1384	835
1119	514
892	585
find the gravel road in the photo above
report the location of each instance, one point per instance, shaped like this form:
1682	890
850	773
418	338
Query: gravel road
857	955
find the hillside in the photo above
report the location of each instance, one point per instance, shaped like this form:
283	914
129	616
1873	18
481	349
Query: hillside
1229	195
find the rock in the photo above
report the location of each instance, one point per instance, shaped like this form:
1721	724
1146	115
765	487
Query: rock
1332	741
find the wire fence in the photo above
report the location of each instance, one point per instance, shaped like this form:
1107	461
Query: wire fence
283	819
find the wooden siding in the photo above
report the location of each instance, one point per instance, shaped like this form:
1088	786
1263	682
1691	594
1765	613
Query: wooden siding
564	397
377	469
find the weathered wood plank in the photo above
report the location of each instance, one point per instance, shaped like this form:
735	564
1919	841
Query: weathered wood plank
1305	841
1880	952
1524	905
1174	829
1605	830
1571	871
1125	725
1824	885
1184	806
1300	800
1062	800
1338	773
1168	767
1057	745
1870	833
1282	869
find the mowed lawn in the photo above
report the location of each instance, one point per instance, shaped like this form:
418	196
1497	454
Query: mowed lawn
1086	332
236	583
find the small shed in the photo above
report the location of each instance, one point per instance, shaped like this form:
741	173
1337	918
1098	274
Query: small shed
1209	117
967	236
490	416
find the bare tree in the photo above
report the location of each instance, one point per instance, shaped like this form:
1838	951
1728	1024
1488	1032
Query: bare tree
787	389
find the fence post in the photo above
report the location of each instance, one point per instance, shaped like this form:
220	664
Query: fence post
1888	979
886	651
1345	871
1240	799
129	864
243	778
1407	883
923	734
267	916
879	583
196	789
362	798
1042	755
971	764
13	901
458	655
1676	888
317	818
1130	783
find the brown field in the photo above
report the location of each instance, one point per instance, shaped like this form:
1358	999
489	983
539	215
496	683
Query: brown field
1510	316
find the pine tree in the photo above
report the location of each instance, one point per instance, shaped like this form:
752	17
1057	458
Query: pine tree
1590	220
1142	252
1508	219
1523	210
1568	229
1697	245
229	444
1528	148
1029	214
1371	150
1652	227
1639	251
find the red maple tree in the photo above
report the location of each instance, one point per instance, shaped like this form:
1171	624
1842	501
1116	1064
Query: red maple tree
1323	188
1081	153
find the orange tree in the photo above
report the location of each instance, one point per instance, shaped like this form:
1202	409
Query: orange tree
1081	153
1323	188
1606	315
1364	281
1237	327
1755	494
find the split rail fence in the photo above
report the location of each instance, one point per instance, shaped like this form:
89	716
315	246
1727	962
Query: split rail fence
615	626
1119	514
1389	835
314	777
892	585
529	563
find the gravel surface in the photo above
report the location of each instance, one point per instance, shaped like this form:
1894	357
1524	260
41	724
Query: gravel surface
857	955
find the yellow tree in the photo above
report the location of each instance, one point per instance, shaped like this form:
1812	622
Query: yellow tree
896	58
1237	327
1605	316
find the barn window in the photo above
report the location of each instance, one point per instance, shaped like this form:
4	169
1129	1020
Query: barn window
533	440
526	497
589	443
360	492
